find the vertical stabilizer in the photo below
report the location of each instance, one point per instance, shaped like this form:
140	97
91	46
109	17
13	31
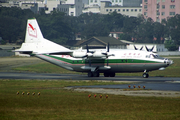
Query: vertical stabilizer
35	42
33	32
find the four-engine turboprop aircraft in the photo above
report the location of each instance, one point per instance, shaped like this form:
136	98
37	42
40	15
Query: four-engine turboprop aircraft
94	62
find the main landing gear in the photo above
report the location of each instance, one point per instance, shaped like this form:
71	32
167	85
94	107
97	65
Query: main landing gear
93	74
96	74
109	74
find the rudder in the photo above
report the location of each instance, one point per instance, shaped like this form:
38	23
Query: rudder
33	32
35	42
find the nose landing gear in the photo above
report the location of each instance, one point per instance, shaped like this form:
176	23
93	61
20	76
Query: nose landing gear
145	74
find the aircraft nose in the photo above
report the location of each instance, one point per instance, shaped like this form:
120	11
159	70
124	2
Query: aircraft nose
171	62
168	62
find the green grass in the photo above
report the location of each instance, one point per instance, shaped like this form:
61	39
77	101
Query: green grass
171	71
44	67
55	103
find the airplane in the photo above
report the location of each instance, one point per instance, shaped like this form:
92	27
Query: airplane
91	61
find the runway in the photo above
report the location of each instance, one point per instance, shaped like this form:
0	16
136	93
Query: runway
153	83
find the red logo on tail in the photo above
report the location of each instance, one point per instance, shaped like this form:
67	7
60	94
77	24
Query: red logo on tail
32	31
31	26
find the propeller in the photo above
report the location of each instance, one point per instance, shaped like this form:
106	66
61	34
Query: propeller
97	54
141	48
149	50
107	54
137	48
88	53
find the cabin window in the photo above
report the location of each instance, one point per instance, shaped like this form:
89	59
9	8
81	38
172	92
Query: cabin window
72	61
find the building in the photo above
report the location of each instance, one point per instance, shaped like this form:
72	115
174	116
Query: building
94	6
106	8
113	2
160	9
102	42
33	6
115	34
132	3
91	9
157	47
50	5
71	7
125	7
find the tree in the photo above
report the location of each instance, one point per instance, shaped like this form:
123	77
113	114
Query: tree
13	22
145	31
158	34
54	27
173	24
170	45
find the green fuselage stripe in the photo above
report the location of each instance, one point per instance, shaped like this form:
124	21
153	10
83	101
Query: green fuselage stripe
100	61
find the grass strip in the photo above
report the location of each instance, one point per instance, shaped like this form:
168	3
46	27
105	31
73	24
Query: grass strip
55	102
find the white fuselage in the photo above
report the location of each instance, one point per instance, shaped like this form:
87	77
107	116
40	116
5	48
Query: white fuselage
122	61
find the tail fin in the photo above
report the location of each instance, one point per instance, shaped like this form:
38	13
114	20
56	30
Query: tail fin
35	43
33	32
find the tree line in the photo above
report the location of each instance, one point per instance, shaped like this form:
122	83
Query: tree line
60	28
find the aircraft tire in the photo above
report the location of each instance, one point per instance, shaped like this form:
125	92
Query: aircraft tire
145	75
106	74
112	74
90	74
96	74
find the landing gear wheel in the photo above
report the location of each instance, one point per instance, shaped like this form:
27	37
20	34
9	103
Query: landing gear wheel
106	74
96	74
112	74
109	74
90	74
93	74
145	75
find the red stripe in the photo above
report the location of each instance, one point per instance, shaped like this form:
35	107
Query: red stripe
31	26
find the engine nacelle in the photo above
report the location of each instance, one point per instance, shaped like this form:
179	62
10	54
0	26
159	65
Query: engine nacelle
98	54
78	54
81	54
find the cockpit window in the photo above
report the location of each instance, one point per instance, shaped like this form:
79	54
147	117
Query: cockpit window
152	56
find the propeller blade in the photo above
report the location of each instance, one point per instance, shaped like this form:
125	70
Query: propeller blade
135	47
108	47
106	53
141	48
107	62
87	48
147	48
152	48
